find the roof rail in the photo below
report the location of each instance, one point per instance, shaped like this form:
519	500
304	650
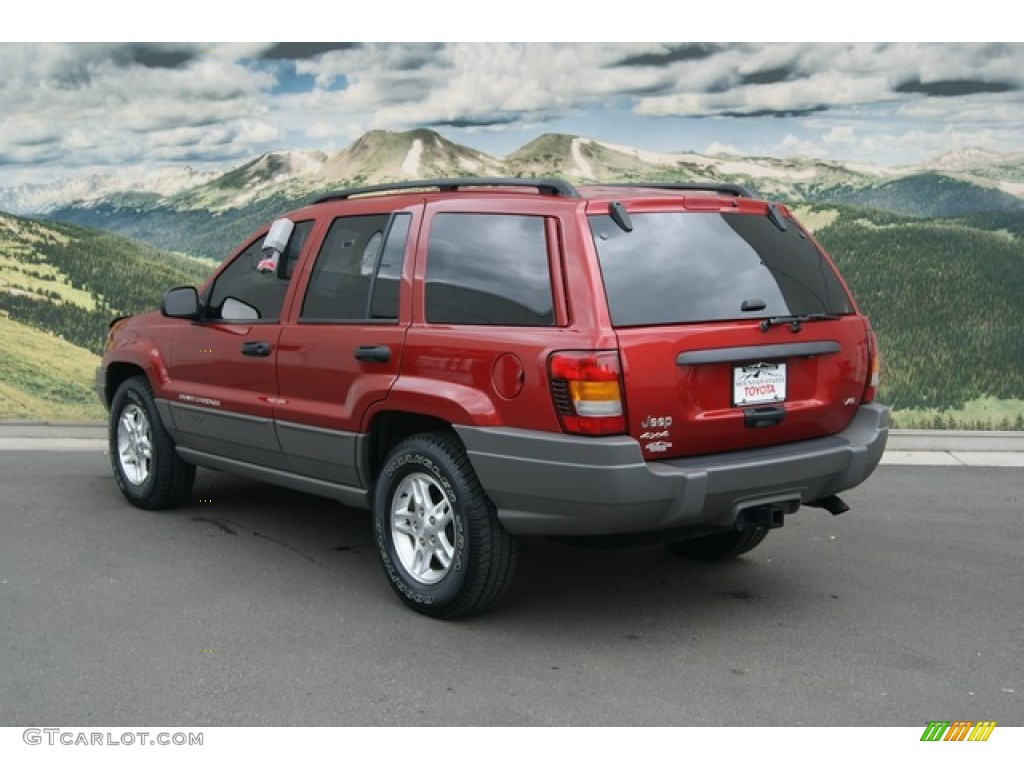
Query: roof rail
725	189
555	187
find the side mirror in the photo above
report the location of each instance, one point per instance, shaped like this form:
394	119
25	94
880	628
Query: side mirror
180	302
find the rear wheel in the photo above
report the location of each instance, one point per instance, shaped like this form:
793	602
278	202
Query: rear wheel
146	467
442	547
719	546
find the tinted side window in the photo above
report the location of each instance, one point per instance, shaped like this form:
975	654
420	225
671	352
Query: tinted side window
243	293
488	269
358	270
384	301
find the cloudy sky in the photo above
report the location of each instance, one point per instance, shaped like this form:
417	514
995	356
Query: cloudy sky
76	108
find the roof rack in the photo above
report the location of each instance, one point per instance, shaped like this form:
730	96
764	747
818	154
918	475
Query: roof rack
725	189
555	187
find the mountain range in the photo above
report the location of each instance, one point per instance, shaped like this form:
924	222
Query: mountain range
382	156
207	215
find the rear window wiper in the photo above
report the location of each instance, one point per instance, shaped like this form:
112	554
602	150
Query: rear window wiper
796	321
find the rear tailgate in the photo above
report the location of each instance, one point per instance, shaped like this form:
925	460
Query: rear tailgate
734	329
732	386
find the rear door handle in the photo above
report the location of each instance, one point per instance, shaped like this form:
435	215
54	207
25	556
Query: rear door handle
373	354
256	348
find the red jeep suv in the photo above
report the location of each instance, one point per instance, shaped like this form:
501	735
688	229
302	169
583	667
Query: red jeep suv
481	359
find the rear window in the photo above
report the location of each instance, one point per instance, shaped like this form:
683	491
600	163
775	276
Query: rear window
694	267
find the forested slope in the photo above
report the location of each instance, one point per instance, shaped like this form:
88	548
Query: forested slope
71	281
945	297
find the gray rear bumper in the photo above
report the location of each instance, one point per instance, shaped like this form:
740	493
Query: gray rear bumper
563	485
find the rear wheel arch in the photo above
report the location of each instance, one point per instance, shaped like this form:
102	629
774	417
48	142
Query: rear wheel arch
387	429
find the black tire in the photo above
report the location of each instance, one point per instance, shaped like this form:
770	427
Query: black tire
719	546
146	467
454	562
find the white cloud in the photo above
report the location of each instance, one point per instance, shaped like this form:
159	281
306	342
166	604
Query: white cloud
795	146
100	105
840	134
467	82
85	105
321	130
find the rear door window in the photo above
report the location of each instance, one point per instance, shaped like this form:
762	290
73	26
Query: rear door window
696	267
358	270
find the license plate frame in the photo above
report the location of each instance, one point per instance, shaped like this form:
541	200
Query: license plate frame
759	383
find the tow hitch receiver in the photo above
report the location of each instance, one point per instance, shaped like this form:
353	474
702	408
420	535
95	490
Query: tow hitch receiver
762	516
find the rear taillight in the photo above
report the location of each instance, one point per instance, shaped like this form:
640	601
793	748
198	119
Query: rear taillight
871	389
587	391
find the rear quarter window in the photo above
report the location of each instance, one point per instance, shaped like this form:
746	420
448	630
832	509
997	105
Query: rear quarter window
488	269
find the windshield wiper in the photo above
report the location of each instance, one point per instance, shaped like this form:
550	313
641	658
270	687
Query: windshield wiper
795	321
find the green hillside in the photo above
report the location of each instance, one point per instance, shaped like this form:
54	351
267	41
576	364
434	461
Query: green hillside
924	195
59	288
945	299
71	281
198	232
44	377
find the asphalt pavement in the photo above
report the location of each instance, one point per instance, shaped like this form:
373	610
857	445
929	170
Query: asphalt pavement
254	605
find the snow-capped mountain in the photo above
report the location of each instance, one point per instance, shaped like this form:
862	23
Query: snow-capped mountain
971	158
376	157
40	198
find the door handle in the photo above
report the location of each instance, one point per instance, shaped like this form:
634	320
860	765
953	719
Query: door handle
256	348
373	354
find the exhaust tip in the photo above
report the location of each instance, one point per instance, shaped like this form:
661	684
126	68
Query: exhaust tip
833	504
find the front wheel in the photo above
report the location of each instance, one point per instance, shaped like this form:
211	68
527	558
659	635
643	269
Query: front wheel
442	547
146	467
